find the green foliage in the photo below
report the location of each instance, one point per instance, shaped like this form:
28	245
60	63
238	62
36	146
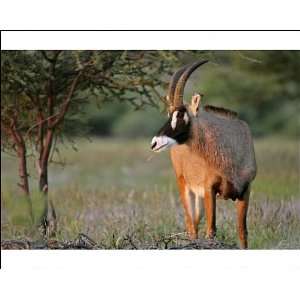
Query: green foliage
30	79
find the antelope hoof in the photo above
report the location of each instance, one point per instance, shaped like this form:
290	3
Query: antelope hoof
193	235
210	235
243	245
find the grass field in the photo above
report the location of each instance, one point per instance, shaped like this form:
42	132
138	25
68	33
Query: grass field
117	191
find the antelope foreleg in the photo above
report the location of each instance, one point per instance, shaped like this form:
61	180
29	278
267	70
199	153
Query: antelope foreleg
198	210
192	230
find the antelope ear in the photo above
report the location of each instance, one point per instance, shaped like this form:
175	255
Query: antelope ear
195	103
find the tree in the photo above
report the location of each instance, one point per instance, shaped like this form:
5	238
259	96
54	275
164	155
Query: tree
40	89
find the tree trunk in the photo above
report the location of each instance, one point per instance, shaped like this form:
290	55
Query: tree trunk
23	174
24	185
48	221
20	146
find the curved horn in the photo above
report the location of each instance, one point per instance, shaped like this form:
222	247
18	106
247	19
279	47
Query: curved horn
178	94
173	83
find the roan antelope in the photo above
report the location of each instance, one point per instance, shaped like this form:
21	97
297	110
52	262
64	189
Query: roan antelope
212	154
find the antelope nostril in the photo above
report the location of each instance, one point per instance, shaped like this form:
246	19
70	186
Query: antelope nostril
153	145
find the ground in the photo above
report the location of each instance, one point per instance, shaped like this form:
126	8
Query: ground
121	195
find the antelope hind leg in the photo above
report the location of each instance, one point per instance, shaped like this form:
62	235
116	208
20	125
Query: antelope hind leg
242	209
210	213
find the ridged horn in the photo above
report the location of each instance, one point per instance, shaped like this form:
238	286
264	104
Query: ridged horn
173	83
178	94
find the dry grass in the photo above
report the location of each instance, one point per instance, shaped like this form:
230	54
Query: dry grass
119	194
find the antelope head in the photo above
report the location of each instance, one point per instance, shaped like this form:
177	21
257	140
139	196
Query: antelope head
177	129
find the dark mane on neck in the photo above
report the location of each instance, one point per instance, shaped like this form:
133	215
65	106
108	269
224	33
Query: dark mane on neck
221	111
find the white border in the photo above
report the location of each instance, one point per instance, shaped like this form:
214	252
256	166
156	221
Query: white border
151	275
145	40
137	14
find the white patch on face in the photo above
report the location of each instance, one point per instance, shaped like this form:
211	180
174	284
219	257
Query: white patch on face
161	143
174	119
186	118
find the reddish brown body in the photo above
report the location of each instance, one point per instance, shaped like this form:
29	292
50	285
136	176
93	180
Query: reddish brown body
214	163
212	154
